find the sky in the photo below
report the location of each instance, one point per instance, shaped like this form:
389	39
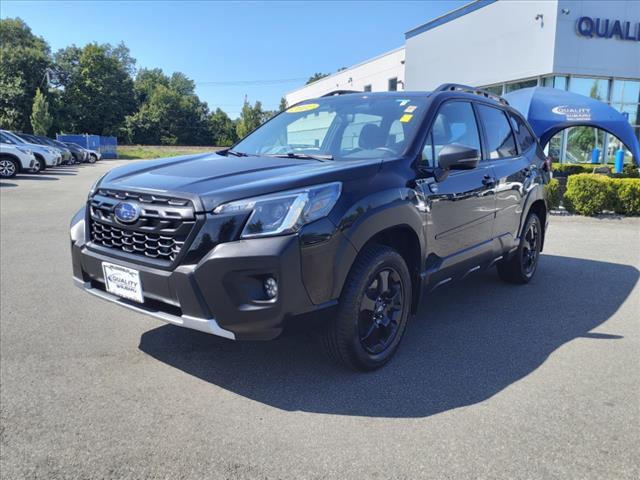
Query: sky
232	49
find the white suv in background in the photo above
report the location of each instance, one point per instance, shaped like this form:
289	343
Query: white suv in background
15	159
45	156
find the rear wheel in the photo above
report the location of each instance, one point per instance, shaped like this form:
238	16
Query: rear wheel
522	266
8	168
373	311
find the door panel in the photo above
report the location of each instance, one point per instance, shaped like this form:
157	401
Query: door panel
513	179
460	210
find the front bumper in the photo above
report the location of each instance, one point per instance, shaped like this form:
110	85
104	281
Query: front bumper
221	294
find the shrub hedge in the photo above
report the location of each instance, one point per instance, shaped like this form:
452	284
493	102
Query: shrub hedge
589	194
552	192
567	169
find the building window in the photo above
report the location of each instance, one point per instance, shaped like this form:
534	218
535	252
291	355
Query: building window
495	89
513	86
367	88
597	88
559	82
393	84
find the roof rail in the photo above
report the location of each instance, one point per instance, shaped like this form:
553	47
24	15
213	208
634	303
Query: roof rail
456	87
339	92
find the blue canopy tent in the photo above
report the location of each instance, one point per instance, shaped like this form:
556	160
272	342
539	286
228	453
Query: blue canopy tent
550	110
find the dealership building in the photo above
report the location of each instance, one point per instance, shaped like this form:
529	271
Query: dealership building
583	46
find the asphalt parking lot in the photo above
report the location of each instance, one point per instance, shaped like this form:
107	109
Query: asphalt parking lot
492	380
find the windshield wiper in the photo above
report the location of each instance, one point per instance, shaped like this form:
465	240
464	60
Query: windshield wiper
304	156
234	153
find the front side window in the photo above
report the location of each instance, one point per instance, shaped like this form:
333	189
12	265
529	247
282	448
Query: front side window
500	141
454	123
341	127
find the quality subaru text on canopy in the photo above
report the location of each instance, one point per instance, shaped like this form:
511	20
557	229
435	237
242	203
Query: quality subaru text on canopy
336	214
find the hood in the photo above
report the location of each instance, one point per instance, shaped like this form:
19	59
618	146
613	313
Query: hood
40	148
211	179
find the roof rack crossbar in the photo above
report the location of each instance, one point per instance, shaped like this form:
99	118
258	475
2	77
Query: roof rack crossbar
340	92
456	87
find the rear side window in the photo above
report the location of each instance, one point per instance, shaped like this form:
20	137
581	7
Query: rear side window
500	141
523	134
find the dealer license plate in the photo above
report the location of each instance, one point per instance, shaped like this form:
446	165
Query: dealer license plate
122	281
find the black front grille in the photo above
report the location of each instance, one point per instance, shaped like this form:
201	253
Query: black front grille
159	233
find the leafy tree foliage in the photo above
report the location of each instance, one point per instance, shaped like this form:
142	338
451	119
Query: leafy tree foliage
283	104
41	119
24	59
316	76
222	128
98	90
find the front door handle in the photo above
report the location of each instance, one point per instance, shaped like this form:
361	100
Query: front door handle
488	181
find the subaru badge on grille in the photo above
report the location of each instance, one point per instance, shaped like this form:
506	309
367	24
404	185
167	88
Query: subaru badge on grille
127	212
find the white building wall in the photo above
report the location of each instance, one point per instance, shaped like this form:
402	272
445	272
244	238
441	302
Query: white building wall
375	72
499	42
581	55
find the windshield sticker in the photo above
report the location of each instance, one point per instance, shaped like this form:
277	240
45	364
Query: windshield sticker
410	109
406	118
303	108
403	102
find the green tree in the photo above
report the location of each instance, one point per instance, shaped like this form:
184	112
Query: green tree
283	104
41	119
98	90
316	76
24	59
250	118
169	111
222	129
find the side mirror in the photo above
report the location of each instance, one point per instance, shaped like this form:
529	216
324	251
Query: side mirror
458	157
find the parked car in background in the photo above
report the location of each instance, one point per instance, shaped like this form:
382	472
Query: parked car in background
94	155
80	155
15	159
46	156
66	153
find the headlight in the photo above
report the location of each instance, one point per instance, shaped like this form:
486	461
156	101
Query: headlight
284	212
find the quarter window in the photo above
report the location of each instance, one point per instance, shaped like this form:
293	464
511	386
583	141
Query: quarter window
500	141
523	134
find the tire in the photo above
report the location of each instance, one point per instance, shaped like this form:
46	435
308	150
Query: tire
92	159
41	165
522	266
373	311
8	167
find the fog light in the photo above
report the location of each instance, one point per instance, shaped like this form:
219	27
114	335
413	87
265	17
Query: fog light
271	287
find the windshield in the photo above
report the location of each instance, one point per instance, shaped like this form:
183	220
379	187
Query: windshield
11	138
340	127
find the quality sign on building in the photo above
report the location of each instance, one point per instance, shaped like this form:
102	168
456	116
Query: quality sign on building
606	28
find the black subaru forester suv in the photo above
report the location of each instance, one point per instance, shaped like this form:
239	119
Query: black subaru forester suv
341	210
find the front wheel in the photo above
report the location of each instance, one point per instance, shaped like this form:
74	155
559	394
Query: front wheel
373	310
522	266
8	168
92	159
